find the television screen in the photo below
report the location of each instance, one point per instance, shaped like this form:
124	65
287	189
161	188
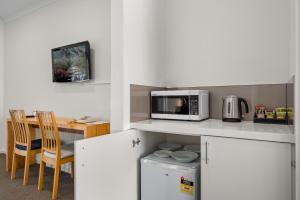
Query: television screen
71	63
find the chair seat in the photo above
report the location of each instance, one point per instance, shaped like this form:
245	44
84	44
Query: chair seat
66	151
35	144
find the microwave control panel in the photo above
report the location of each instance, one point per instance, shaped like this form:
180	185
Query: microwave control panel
194	105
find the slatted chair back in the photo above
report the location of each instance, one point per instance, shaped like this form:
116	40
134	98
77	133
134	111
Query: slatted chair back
49	132
20	127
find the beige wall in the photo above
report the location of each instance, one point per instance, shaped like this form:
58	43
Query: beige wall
140	102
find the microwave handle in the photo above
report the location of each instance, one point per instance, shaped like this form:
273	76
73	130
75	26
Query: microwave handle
189	105
165	103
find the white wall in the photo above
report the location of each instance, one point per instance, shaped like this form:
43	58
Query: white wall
2	131
297	101
142	23
154	42
227	42
292	70
117	104
197	42
135	53
28	73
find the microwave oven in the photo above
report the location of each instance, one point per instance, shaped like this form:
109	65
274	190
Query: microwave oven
180	104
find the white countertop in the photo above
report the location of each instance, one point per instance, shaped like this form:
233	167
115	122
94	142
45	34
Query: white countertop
218	128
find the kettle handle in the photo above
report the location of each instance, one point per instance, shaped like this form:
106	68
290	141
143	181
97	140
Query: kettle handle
246	104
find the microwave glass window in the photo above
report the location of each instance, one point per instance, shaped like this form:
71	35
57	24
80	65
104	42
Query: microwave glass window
178	105
158	104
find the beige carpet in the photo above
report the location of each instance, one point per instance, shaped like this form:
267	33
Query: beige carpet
14	190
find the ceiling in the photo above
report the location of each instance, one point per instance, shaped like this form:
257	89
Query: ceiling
10	9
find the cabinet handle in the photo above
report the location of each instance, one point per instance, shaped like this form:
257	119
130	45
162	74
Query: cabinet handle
136	142
206	152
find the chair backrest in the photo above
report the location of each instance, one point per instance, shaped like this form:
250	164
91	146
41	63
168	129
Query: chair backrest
20	127
49	132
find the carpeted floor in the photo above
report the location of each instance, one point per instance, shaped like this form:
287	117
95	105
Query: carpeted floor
14	190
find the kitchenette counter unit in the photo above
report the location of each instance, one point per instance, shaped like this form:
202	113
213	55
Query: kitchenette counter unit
218	128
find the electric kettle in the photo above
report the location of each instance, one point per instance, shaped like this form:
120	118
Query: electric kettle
232	108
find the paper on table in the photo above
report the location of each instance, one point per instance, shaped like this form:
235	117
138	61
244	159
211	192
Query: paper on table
98	122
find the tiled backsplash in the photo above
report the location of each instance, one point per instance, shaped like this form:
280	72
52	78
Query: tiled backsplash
140	102
290	95
271	95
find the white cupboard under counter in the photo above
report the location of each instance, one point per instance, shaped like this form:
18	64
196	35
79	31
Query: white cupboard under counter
238	161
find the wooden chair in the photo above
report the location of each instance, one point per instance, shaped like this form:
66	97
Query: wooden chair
52	152
24	145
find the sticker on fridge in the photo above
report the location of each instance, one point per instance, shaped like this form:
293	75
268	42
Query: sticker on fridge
186	186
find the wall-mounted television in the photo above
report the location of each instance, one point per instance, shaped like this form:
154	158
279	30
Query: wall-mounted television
72	63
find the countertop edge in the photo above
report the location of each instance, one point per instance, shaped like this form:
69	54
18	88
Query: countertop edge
238	134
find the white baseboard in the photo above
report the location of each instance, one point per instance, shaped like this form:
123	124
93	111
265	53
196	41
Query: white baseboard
2	151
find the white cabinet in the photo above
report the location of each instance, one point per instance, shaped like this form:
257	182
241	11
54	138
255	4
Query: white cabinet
107	167
235	169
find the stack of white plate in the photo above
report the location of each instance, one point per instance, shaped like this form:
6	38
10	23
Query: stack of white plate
184	156
169	146
192	148
189	154
163	153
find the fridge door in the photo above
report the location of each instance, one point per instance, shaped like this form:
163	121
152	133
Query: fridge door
154	180
168	182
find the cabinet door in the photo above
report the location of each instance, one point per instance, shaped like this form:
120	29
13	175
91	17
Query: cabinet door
235	169
107	167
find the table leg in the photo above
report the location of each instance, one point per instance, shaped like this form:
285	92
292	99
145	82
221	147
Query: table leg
9	145
33	137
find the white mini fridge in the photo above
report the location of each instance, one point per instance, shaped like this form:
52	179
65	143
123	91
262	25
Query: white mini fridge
167	179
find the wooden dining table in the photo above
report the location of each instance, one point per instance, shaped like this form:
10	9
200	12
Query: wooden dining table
64	125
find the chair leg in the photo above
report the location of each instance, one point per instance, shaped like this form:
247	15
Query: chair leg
26	169
56	179
72	169
14	166
41	175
